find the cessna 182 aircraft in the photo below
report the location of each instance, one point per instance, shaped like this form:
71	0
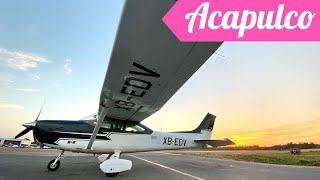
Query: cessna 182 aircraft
147	67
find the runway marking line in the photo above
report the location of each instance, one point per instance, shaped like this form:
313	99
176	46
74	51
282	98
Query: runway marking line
169	168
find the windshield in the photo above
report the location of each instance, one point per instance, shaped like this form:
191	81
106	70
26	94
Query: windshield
91	117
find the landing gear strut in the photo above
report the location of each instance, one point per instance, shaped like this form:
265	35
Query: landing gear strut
54	164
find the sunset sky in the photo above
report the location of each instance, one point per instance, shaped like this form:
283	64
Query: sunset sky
261	92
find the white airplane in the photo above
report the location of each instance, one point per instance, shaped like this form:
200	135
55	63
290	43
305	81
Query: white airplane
147	67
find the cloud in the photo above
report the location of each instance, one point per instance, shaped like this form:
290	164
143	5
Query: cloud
35	77
57	84
11	106
6	77
307	131
67	66
20	60
27	90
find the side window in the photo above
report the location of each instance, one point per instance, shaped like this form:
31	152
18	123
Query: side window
112	125
134	128
130	129
106	125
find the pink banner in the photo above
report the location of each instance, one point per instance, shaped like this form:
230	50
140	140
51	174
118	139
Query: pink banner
245	20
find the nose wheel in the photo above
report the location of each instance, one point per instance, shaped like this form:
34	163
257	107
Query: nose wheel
54	164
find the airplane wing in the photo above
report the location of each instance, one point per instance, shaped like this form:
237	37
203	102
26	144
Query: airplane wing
148	63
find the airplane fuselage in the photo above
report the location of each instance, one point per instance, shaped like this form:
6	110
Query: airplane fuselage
62	135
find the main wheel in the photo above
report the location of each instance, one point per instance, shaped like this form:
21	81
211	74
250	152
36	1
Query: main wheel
53	167
112	174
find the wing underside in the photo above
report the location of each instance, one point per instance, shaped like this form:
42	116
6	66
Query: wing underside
148	63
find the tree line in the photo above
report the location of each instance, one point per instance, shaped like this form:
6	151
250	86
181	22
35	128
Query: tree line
290	145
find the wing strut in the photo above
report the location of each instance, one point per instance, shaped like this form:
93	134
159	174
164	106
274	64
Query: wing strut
97	127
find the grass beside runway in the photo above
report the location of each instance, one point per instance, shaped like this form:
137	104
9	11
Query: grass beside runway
311	158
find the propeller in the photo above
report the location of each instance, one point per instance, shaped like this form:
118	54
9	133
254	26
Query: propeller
30	126
25	131
41	110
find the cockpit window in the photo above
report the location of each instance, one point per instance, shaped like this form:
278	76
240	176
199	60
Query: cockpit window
134	128
115	125
91	117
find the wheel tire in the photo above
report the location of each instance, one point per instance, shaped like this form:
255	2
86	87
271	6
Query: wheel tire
51	167
112	174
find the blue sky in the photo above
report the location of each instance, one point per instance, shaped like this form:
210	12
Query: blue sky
59	50
71	42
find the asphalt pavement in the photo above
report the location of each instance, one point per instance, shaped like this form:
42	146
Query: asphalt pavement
24	164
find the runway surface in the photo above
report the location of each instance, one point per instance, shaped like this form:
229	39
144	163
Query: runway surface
31	164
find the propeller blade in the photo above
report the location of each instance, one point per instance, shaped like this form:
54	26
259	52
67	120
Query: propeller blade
23	132
41	109
34	137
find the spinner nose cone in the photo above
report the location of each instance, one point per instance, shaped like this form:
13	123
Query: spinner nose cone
30	124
